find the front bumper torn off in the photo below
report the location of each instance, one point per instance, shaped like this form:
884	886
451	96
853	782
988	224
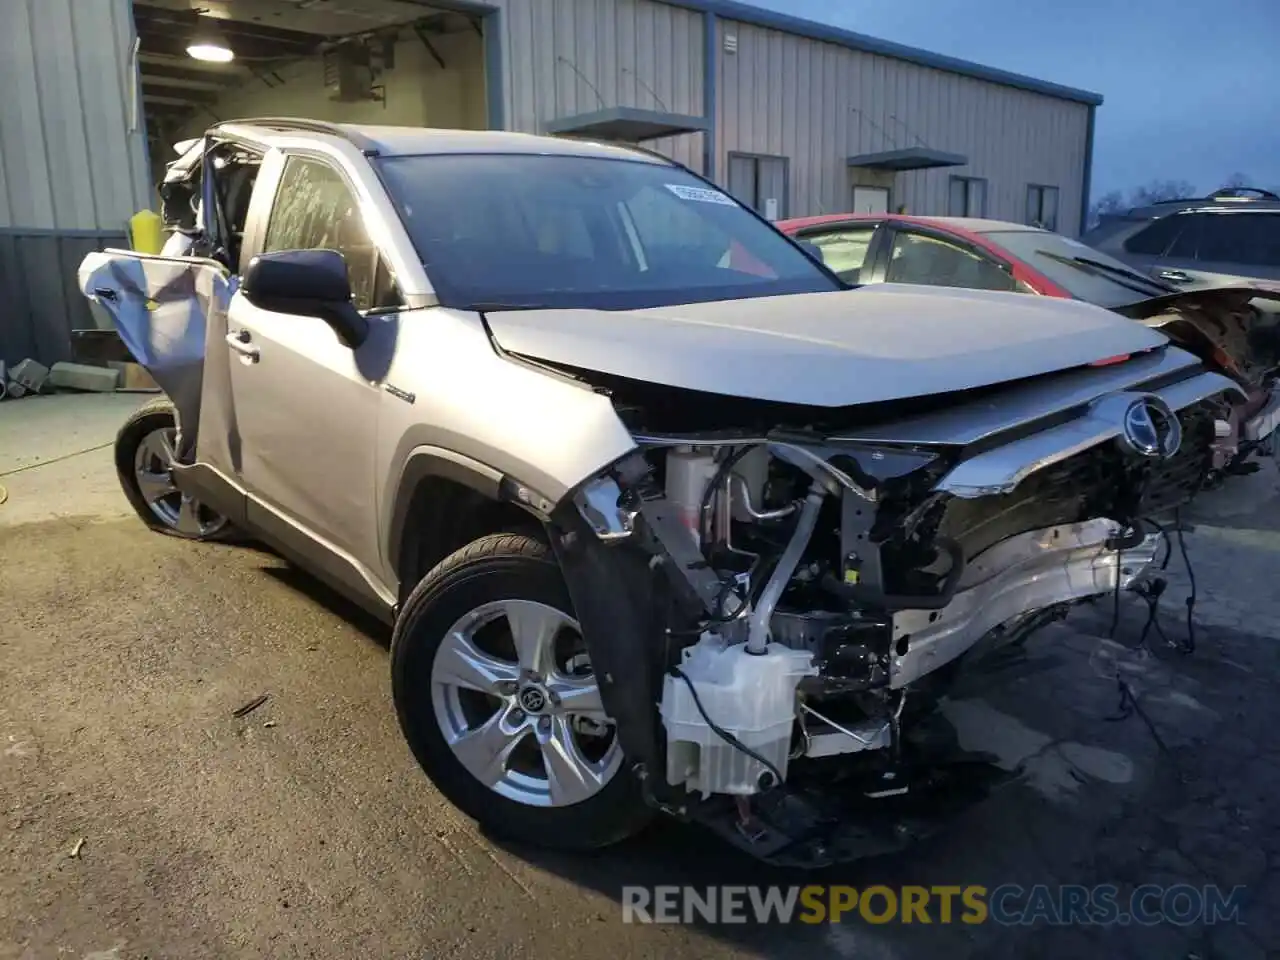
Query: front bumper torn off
1029	572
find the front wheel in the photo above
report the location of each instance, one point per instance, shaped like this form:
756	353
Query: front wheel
144	453
496	697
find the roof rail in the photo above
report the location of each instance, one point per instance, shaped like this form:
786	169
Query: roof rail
1242	193
1225	193
357	140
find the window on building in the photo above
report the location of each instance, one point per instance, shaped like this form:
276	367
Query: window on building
760	182
315	209
1042	206
968	197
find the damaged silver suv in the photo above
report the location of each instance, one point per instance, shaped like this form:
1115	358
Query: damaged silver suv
665	515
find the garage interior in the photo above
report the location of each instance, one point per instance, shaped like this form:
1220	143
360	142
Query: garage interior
355	61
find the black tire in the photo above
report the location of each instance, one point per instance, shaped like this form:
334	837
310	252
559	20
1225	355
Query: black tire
157	414
496	567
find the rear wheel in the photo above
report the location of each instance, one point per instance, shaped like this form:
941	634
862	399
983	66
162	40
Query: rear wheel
496	697
144	454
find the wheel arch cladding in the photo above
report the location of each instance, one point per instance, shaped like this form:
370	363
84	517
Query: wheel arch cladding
443	502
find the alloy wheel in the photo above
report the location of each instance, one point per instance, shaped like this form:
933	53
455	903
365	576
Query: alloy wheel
513	693
172	507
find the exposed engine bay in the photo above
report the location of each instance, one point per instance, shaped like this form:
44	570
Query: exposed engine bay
821	593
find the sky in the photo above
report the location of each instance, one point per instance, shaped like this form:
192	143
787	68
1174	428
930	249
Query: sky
1191	88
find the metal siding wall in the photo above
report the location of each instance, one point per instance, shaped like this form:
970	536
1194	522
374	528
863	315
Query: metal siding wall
43	301
67	159
71	172
628	50
790	96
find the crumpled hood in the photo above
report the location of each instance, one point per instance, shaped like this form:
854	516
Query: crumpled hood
1230	332
1229	295
875	343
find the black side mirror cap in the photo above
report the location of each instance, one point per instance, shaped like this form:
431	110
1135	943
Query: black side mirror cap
307	283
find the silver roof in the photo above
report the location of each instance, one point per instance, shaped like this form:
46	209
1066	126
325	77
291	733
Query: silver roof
409	141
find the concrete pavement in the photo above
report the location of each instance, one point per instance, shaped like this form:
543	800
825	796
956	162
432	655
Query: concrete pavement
306	830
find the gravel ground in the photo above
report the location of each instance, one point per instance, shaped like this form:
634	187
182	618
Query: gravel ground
139	818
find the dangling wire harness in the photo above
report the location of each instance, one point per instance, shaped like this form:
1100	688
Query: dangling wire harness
1151	593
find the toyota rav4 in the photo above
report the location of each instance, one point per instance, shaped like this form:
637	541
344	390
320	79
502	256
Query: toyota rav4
665	515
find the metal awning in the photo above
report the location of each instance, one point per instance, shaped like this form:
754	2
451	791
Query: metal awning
910	158
629	124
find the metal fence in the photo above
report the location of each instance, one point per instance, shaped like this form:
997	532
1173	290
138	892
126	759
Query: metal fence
40	301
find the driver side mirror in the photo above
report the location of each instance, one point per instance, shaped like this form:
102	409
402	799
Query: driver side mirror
306	283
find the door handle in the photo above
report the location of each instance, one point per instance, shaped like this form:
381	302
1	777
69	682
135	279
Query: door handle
240	343
1174	276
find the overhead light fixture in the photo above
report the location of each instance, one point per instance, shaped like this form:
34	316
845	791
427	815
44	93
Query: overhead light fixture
210	51
207	45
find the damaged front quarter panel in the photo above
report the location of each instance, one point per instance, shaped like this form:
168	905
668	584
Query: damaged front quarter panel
642	589
622	608
860	552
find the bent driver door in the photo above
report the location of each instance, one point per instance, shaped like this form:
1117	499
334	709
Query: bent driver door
167	311
305	411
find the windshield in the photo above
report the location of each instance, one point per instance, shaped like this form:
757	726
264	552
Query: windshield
1106	282
539	231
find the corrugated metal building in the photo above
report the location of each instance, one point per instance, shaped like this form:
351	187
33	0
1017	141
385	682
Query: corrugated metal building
794	117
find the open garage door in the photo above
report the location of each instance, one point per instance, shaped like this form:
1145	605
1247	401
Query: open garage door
402	62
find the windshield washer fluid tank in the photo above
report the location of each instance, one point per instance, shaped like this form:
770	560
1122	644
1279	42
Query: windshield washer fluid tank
750	696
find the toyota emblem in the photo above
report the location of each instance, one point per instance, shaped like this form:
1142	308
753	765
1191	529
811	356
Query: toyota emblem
533	700
1151	429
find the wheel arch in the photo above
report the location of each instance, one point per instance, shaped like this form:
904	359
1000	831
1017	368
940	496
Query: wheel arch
443	501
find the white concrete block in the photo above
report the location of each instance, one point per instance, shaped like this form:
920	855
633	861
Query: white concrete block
28	374
79	376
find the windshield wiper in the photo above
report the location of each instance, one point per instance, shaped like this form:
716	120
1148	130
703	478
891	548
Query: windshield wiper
1120	274
494	306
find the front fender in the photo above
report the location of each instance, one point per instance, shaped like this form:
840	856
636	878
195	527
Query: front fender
452	397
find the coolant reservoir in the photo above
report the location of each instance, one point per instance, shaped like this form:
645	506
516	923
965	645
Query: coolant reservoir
689	473
751	696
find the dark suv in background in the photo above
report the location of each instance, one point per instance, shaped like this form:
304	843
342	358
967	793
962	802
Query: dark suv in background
1229	236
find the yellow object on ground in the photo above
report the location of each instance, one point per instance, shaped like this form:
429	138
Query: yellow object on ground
146	232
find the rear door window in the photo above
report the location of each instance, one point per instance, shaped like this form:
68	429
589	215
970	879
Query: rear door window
1187	239
1248	239
922	258
1156	239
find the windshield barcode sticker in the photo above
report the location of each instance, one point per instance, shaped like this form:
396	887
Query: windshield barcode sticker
701	194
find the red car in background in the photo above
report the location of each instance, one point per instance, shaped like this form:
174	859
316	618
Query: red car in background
1223	326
